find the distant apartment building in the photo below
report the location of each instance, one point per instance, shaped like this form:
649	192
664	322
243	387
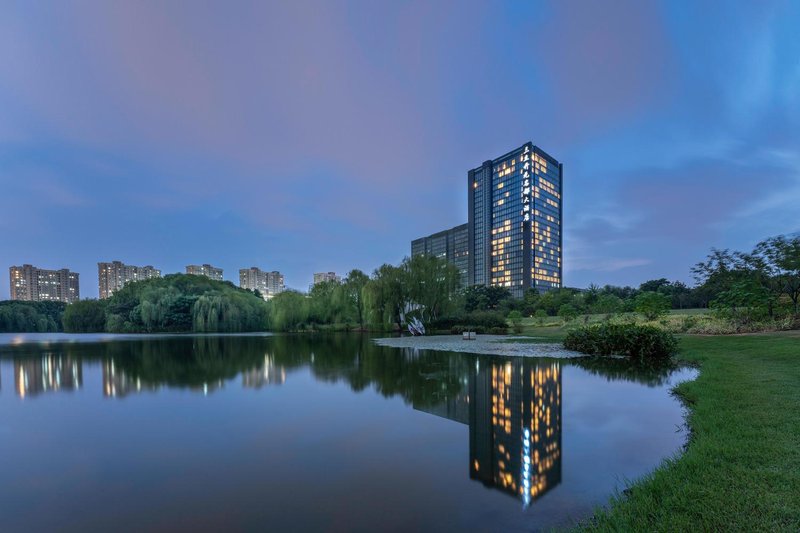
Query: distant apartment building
33	284
321	277
114	275
205	270
268	284
451	245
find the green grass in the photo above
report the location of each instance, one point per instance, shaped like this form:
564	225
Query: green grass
741	469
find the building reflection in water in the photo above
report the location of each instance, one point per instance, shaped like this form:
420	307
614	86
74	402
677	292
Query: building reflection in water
265	374
118	384
513	409
48	373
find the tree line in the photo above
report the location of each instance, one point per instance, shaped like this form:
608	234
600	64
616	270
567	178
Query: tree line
174	303
763	284
421	286
40	317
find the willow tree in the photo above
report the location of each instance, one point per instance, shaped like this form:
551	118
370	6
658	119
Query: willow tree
432	284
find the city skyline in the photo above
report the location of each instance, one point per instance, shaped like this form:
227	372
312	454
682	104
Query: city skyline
262	152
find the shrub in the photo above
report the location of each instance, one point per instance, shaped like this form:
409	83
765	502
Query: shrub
476	321
638	342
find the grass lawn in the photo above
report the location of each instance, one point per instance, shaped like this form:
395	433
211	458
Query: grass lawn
741	470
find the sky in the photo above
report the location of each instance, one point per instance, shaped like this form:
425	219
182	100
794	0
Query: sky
315	136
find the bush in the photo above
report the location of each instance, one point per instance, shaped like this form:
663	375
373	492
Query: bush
515	317
638	342
478	321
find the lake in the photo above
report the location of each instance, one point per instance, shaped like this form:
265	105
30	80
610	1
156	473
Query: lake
316	432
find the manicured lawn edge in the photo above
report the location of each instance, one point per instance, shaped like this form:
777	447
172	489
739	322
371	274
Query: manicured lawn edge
741	467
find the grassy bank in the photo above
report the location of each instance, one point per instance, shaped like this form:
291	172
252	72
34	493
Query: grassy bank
741	470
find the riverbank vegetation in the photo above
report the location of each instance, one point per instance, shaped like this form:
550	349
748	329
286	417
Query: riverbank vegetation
37	317
640	343
174	303
421	286
741	468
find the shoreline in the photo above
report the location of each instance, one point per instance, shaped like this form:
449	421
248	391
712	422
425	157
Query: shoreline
498	345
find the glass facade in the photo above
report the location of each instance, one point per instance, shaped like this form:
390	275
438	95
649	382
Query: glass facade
515	221
451	244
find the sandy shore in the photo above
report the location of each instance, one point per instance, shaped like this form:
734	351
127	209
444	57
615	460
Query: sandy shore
484	344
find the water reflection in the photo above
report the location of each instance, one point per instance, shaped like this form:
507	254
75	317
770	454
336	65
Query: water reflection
515	427
47	373
513	413
267	374
118	384
513	410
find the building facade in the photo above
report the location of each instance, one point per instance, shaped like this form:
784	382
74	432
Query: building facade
268	284
515	221
33	284
205	270
321	277
113	276
451	244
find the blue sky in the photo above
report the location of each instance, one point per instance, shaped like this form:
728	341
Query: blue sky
316	136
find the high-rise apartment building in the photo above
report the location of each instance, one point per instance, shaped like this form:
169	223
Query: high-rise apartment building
205	270
515	221
321	277
451	244
113	276
39	285
269	284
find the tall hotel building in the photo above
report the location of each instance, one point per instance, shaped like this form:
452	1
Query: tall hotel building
39	285
515	221
113	276
269	284
205	270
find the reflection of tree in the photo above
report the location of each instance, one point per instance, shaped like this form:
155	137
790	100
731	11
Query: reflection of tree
425	379
650	373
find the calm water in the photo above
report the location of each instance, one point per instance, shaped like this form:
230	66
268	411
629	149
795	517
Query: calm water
311	433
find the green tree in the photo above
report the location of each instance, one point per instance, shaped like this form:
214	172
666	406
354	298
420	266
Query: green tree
432	285
354	285
745	301
515	317
85	316
652	304
779	259
567	312
607	303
